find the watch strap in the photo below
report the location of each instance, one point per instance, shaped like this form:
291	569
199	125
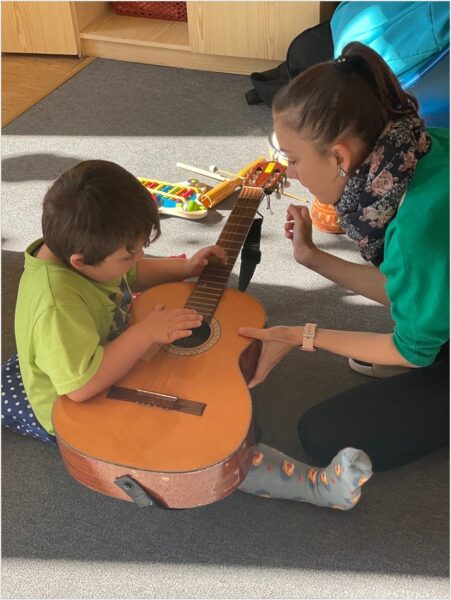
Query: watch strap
308	337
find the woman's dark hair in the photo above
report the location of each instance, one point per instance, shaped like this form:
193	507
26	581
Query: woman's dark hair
355	95
94	209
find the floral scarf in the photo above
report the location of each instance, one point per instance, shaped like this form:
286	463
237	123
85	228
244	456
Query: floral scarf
375	189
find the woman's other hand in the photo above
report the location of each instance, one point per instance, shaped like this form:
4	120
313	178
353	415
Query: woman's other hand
298	229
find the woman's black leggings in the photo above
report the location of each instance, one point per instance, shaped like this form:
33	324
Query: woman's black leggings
394	420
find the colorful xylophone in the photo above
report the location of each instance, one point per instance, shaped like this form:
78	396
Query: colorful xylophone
176	199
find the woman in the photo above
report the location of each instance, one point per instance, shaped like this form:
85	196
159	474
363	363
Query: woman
354	139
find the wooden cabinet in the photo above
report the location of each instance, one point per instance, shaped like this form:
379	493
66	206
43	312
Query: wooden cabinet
230	37
39	28
248	29
234	37
47	27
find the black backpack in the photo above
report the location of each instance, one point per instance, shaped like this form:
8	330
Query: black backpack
310	47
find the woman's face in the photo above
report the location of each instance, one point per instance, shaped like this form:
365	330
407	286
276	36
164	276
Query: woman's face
317	172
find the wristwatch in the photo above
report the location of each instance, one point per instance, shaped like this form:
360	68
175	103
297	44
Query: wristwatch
308	337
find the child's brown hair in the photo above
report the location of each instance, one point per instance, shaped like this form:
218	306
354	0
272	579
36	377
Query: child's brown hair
355	95
95	208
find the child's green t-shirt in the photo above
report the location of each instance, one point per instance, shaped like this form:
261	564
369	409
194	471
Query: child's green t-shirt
416	258
62	322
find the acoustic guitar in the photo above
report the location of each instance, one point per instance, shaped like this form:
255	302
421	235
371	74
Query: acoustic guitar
177	429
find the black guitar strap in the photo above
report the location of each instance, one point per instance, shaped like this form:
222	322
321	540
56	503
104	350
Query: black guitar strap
250	254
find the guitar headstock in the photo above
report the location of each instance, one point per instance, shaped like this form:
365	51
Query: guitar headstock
266	176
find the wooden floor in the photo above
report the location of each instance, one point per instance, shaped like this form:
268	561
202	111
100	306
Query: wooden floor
26	79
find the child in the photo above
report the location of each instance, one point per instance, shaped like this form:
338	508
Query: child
72	316
75	293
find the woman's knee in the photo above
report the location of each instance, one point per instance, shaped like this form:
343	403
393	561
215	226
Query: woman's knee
318	435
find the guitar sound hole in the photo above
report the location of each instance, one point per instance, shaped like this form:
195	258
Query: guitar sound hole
199	336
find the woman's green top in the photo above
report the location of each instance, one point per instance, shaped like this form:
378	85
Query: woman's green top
416	258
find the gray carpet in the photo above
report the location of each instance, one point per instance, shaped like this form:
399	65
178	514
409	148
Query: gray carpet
61	540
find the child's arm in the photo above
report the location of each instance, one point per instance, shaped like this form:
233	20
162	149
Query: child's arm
153	271
160	326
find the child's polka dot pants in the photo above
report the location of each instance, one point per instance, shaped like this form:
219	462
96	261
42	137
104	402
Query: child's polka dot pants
17	413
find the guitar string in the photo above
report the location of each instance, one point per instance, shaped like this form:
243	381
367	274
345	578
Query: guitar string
237	211
248	205
198	298
204	296
228	236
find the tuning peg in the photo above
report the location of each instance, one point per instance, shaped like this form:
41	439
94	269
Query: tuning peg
285	183
268	203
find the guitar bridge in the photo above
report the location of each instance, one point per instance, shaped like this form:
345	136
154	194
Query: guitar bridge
165	401
157	399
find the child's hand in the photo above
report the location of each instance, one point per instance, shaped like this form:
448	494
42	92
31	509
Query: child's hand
165	325
196	264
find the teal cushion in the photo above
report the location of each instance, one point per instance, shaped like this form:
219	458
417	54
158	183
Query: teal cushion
408	35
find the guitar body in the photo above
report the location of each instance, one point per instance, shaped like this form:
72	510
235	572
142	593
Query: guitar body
178	427
181	460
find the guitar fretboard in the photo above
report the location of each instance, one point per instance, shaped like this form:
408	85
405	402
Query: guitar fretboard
210	286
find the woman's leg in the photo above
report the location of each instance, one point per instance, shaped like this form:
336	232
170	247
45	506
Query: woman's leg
395	420
338	485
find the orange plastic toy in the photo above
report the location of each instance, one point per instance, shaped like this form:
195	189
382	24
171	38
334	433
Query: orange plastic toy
324	217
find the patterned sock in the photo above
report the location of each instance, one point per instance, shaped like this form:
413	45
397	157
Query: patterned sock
276	475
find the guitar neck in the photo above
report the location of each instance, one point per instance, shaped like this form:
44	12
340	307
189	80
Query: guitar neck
213	280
